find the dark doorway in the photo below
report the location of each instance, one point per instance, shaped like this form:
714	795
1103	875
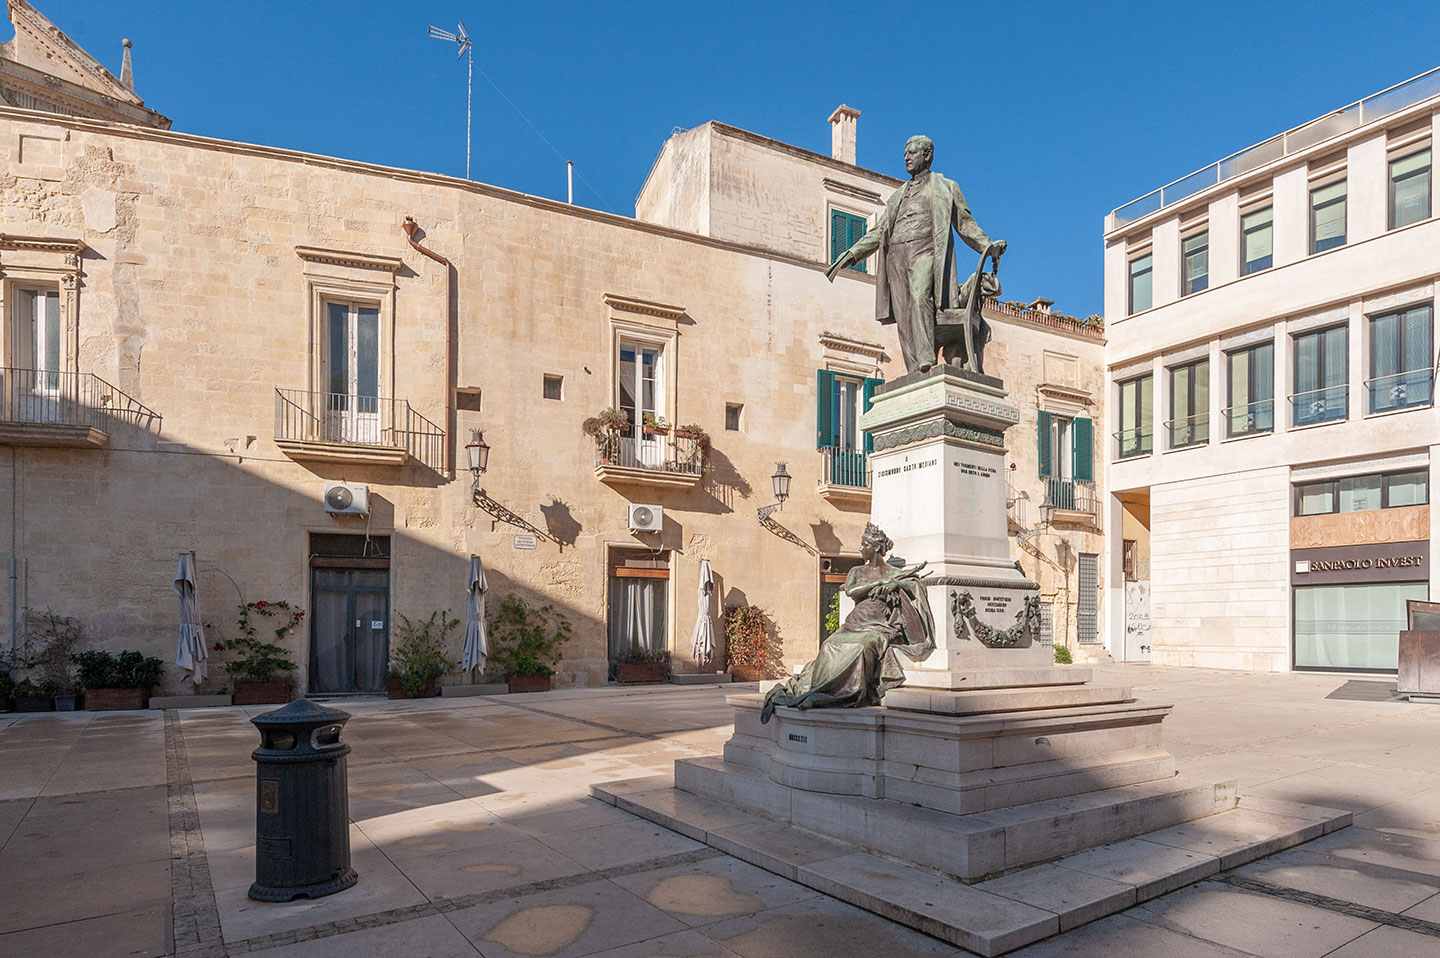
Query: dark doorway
350	613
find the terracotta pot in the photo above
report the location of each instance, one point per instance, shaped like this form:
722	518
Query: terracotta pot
635	673
394	689
261	693
528	683
109	700
746	673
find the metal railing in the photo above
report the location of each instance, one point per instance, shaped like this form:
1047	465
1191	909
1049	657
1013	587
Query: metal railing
1374	107
1401	390
1326	404
1250	418
1072	495
349	420
845	467
56	398
1138	441
668	453
1188	430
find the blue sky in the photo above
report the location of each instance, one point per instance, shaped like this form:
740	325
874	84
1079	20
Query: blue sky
1048	114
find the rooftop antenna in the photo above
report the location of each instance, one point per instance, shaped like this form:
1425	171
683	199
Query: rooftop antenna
462	37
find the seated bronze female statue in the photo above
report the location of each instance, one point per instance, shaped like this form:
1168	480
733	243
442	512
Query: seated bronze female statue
858	664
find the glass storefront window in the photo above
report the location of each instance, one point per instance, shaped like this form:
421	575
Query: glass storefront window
1352	626
1407	489
1317	499
1359	493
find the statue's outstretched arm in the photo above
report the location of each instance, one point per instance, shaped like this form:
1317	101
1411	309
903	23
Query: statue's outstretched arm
964	223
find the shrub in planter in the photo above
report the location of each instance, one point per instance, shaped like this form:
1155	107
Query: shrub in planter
526	640
637	665
50	643
117	681
260	667
418	657
749	651
32	696
7	689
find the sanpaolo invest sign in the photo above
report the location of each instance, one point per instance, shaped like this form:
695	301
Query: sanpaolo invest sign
1379	562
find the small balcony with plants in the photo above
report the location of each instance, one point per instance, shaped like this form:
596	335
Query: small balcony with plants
652	453
1072	500
50	407
341	427
844	475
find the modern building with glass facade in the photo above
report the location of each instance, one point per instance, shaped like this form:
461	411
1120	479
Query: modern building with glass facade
1270	370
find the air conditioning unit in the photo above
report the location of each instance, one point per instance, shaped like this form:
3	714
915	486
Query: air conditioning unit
347	499
646	518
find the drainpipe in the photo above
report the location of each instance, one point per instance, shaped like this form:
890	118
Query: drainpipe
451	329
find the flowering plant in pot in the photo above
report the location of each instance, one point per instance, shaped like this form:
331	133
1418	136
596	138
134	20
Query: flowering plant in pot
260	666
636	665
748	649
653	425
526	640
117	680
605	428
418	657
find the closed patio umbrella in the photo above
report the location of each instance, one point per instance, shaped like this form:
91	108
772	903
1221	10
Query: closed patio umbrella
475	651
704	638
190	648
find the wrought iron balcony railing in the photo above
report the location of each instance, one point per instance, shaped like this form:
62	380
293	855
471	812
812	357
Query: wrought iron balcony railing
360	421
670	454
42	397
1072	495
845	467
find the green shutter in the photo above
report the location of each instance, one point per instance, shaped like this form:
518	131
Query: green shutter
1084	446
867	395
1047	468
839	234
857	230
826	411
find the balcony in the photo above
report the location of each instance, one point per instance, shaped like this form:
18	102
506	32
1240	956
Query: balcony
64	409
1314	406
844	476
1133	443
336	427
1250	419
672	462
1189	430
1074	500
1407	390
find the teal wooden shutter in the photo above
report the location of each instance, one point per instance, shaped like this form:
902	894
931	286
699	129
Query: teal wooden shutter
1047	468
868	394
827	411
1084	444
839	234
857	230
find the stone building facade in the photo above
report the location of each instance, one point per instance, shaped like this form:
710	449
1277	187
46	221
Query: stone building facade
203	338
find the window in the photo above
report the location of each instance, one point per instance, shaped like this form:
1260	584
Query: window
1259	248
1087	600
1327	217
1321	374
468	400
1250	402
1195	271
1400	359
732	416
1190	404
351	367
840	402
1066	457
1129	556
1136	435
845	229
1410	189
553	387
38	359
1389	490
1141	294
640	382
1352	627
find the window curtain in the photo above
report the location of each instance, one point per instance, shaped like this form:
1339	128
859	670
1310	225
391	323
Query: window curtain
637	614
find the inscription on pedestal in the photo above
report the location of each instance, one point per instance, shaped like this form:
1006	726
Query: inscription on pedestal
908	467
975	469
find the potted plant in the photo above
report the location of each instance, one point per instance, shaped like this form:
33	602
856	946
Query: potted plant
637	665
695	432
7	690
117	681
747	643
260	666
418	659
526	640
653	425
34	696
50	645
605	428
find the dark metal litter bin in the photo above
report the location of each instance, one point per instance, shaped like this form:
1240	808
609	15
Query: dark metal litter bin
302	811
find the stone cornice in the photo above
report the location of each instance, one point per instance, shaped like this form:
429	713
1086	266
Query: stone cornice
848	189
42	244
629	305
1054	391
831	341
334	257
809	155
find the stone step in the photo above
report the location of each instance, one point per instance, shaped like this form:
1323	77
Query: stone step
983	701
917	677
1001	914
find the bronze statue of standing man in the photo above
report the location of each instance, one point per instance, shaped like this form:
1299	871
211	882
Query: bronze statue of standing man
916	270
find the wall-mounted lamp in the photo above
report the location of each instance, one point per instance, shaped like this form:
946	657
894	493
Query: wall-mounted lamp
780	485
479	453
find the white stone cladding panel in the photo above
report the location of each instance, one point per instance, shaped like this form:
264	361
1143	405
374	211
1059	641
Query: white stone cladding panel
1218	566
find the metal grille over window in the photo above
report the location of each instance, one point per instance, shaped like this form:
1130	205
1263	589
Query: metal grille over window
1087	616
1047	624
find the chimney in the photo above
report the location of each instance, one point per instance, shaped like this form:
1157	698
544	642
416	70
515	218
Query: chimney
127	80
1041	306
842	134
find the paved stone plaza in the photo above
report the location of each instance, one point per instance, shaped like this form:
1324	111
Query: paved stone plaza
130	833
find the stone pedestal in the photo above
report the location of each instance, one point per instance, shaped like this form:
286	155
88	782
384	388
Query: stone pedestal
939	493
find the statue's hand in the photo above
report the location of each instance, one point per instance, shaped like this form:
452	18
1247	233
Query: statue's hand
846	258
998	248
